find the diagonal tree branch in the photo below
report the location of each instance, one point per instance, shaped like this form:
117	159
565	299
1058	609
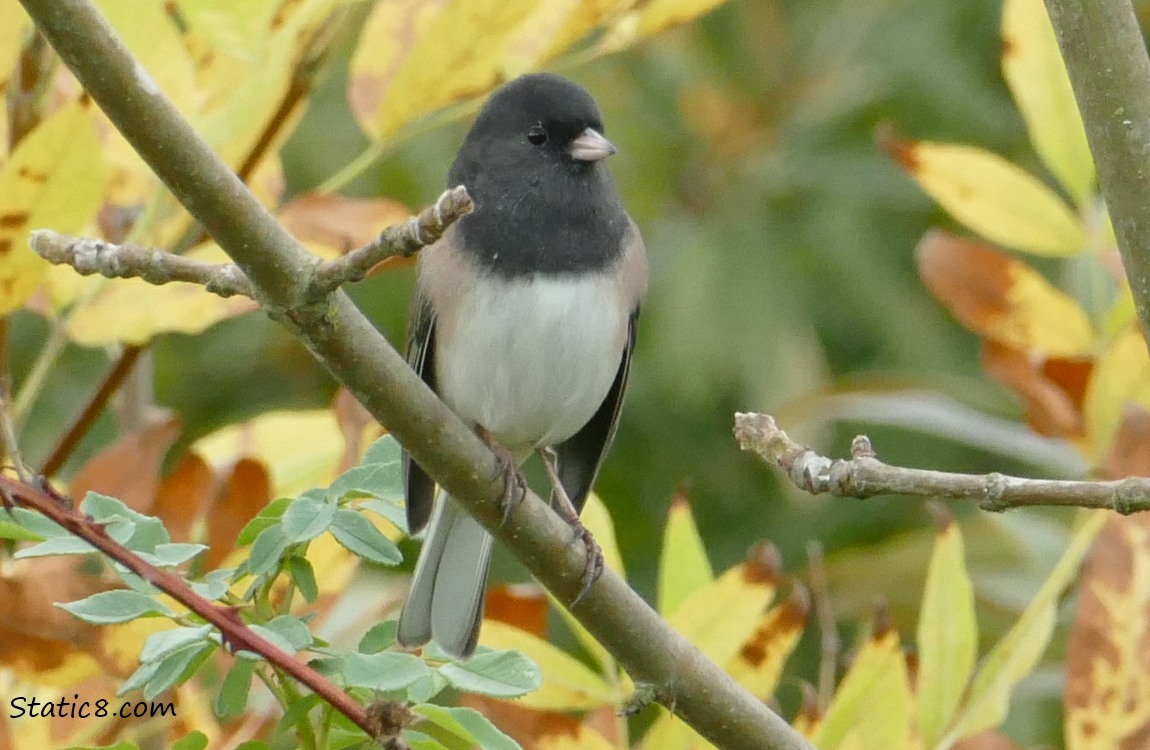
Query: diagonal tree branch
864	475
237	635
1105	55
280	271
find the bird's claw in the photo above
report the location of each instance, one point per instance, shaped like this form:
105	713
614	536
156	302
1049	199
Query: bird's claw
593	565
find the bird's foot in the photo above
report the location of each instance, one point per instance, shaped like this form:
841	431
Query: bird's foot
593	565
514	485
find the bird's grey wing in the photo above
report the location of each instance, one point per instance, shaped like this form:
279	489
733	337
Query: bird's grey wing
419	488
581	455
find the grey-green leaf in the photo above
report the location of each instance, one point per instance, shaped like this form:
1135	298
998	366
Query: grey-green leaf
360	536
499	674
108	607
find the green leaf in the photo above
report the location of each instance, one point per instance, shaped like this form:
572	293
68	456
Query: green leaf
214	584
146	531
232	700
69	545
269	516
267	550
278	640
109	607
307	517
381	636
39	524
360	536
947	635
499	674
195	741
293	630
172	554
386	671
14	531
392	510
1015	655
159	645
467	724
176	668
379	474
303	575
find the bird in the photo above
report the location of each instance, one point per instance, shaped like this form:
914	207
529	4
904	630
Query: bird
523	321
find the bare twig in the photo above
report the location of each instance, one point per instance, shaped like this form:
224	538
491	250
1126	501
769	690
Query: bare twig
863	476
828	630
237	635
92	410
89	256
9	445
403	240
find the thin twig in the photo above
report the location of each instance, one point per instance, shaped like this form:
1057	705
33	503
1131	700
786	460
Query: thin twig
235	633
92	410
92	256
863	476
9	444
829	643
403	239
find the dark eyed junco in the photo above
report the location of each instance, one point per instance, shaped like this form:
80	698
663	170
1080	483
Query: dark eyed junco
523	321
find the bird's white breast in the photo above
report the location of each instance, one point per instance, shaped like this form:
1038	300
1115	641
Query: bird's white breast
531	360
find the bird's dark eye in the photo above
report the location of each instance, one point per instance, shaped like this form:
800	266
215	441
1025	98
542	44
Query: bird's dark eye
537	135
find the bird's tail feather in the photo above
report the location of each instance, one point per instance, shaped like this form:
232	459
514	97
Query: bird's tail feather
449	584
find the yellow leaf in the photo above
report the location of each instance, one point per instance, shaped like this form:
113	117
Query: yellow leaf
1003	299
596	518
133	311
553	27
719	618
245	88
947	635
584	738
54	178
992	197
13	23
759	663
415	57
871	710
238	28
1107	695
1016	654
568	685
301	449
1121	375
683	564
1033	68
660	15
669	732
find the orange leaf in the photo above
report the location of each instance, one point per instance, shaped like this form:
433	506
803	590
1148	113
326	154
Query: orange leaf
129	469
523	605
1002	299
331	225
989	740
244	494
183	495
1053	389
1107	700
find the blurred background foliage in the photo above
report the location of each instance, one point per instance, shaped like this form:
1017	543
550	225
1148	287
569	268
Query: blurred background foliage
783	281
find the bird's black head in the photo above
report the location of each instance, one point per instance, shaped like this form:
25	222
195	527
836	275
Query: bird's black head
532	162
537	123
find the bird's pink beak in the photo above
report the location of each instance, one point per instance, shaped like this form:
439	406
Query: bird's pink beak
590	145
